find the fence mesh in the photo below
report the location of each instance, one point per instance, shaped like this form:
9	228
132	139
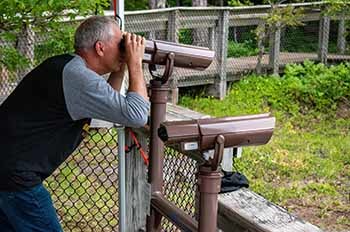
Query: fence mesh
300	43
179	184
85	187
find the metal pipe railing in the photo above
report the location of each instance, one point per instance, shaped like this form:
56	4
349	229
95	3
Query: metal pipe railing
121	169
173	213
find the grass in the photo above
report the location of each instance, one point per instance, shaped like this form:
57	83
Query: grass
306	165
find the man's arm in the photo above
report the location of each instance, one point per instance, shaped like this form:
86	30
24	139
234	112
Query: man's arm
88	95
116	78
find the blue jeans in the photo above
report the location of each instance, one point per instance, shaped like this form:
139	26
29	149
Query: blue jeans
28	211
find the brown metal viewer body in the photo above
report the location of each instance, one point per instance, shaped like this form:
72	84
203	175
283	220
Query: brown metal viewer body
171	55
201	134
214	133
185	56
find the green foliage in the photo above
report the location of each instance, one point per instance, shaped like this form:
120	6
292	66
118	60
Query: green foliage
297	39
60	41
316	87
286	16
12	59
239	3
185	36
336	7
42	17
131	5
172	3
304	89
247	48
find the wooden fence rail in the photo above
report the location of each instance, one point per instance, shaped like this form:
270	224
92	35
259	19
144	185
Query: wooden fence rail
213	24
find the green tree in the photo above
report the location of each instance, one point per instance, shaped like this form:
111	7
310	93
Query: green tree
20	19
277	18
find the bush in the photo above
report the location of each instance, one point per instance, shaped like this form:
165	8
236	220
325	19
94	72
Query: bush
247	48
304	89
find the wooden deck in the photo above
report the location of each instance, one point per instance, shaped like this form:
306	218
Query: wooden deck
236	67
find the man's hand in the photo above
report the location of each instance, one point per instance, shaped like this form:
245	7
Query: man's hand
134	51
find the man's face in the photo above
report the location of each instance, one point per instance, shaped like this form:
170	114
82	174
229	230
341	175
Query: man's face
112	58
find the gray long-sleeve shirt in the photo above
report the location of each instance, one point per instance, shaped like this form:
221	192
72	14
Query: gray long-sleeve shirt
43	119
87	95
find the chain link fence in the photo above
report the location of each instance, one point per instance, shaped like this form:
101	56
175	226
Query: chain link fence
180	184
300	43
85	187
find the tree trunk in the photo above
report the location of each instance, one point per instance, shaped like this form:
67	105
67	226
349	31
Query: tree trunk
199	3
156	4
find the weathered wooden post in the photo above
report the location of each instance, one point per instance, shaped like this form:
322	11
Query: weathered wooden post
261	40
137	188
173	29
211	41
173	26
323	39
220	85
341	41
275	46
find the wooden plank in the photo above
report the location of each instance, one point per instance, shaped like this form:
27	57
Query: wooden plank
147	25
239	22
256	214
178	113
258	8
138	192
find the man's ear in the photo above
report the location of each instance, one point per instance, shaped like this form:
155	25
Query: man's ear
99	48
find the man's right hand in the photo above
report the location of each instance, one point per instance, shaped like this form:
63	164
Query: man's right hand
134	51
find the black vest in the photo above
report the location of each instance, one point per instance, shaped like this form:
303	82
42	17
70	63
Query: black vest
37	132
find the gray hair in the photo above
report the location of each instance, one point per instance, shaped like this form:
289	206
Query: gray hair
93	29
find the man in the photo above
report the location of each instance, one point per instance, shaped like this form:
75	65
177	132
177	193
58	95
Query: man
43	119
